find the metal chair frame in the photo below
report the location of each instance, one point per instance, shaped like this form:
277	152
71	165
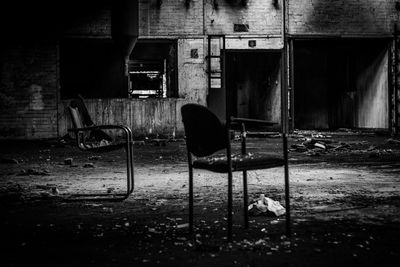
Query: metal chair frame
79	130
229	130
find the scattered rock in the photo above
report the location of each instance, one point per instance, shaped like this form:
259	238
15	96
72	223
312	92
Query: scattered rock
68	161
55	191
344	130
260	244
88	165
139	143
342	146
319	145
110	190
183	225
299	148
159	142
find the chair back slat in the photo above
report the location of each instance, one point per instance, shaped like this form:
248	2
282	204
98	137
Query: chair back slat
76	117
204	132
83	112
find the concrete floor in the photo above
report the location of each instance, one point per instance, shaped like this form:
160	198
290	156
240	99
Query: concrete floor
345	206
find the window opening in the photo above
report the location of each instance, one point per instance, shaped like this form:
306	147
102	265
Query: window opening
152	70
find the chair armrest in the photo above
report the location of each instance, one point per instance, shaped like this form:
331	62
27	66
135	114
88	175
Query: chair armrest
102	127
81	143
252	121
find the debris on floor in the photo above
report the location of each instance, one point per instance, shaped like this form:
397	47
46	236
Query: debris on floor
159	141
392	141
315	144
68	161
88	165
100	143
41	172
266	206
110	190
139	143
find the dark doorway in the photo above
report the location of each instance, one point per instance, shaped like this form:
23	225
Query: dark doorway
253	84
341	84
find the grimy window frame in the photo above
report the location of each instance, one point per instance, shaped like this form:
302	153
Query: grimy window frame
163	56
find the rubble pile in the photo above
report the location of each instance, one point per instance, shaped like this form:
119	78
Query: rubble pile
317	144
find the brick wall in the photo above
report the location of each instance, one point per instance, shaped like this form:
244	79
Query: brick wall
29	75
97	23
28	90
338	17
262	17
172	17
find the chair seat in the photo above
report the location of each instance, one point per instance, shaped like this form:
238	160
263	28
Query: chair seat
239	162
104	148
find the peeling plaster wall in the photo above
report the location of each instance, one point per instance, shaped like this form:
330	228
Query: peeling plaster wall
192	73
202	17
171	17
262	17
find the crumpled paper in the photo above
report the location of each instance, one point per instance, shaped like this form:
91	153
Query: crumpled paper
266	206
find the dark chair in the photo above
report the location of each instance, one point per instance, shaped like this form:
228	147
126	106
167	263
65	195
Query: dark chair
91	137
205	135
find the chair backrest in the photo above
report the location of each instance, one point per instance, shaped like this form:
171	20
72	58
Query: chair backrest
204	132
79	105
76	117
80	118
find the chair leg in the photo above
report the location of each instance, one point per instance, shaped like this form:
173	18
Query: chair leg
230	200
191	200
245	201
132	170
287	191
129	163
129	177
128	169
287	202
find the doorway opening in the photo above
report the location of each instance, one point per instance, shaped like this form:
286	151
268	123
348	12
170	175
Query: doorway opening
253	84
341	84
